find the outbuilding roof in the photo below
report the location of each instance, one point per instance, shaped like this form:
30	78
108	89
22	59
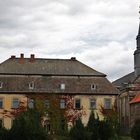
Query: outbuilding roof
136	99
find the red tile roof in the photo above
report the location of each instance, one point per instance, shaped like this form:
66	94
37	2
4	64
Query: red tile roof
136	99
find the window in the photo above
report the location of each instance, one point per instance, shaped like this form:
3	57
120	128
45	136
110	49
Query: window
1	103
1	84
77	103
107	103
62	103
62	86
1	123
47	103
31	103
93	103
31	85
15	103
93	86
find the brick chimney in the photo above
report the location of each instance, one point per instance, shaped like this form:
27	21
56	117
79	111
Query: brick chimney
32	58
21	59
13	56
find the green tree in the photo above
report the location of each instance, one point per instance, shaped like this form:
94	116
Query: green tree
27	126
93	127
77	132
3	134
135	131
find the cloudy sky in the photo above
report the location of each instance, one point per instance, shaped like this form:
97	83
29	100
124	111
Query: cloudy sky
100	33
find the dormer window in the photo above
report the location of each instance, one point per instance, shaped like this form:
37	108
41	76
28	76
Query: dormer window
31	85
62	86
1	84
93	87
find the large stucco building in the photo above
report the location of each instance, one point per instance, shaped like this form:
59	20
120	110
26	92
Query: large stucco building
22	77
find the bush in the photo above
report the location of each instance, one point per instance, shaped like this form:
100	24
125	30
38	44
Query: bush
3	134
28	126
77	132
135	131
93	127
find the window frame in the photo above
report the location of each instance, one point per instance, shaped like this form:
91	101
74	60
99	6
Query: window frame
31	103
13	104
62	86
2	99
93	100
1	84
62	104
31	85
106	105
93	88
76	104
47	104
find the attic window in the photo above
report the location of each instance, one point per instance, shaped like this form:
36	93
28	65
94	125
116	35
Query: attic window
93	86
1	84
62	86
31	85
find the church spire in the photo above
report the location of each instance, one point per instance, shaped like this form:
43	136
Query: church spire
137	55
138	36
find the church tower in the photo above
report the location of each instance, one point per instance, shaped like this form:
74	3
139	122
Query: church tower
137	55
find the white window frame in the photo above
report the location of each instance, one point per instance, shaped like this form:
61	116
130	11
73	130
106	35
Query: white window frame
31	85
62	86
93	86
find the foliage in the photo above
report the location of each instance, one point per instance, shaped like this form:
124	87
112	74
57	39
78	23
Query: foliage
27	126
71	113
93	126
135	131
77	132
3	134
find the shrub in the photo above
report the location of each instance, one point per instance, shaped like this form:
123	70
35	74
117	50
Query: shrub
135	131
77	132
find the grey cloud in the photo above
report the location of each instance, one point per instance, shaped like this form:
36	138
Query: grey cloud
95	31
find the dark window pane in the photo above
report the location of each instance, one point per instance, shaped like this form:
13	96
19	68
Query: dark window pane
77	104
92	103
1	102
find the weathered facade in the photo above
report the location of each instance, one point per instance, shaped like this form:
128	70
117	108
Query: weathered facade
21	77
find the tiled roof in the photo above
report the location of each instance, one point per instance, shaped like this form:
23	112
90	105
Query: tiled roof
47	67
136	99
127	79
51	84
